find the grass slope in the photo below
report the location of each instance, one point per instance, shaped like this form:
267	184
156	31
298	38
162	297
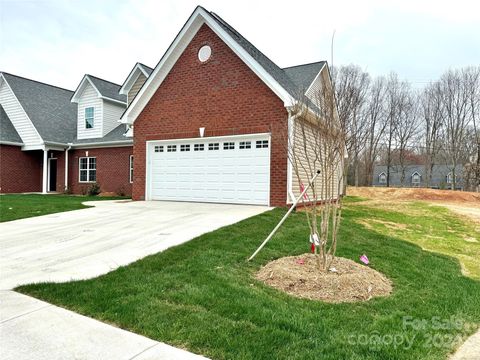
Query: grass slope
20	206
201	296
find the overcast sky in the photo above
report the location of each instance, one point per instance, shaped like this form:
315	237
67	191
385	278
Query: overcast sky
57	41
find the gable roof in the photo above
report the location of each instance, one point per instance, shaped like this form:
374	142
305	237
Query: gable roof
48	107
105	89
146	68
7	130
138	69
284	83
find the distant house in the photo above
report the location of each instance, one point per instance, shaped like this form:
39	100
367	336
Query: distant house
442	176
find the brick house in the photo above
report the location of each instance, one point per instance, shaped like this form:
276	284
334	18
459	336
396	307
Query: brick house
53	139
210	122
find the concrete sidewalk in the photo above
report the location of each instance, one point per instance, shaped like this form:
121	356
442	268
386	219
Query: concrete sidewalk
33	329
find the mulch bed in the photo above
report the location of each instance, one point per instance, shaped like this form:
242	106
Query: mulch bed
300	276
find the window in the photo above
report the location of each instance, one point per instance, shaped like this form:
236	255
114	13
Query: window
382	178
158	148
204	53
87	169
228	145
89	115
198	147
213	146
185	147
171	148
245	145
416	179
261	144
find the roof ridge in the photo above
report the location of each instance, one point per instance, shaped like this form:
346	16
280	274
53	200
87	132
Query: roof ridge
241	36
98	78
310	63
36	81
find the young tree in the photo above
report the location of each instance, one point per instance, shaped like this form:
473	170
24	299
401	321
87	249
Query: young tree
317	143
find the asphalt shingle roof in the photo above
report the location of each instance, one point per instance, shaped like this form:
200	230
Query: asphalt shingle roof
48	107
303	75
292	79
7	130
114	135
108	89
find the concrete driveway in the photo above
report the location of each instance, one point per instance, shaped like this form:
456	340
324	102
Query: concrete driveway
86	243
83	244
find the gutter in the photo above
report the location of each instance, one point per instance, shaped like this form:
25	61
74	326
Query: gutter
117	143
13	143
66	165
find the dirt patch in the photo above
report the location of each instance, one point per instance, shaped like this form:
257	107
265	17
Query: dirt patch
385	194
388	224
299	276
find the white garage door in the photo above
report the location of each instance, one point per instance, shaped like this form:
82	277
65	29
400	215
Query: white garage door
223	170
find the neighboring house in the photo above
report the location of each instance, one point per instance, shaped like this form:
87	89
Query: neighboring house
442	176
211	121
53	139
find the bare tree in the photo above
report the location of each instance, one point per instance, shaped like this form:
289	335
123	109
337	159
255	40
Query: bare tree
406	130
455	96
376	125
351	88
396	98
317	144
431	109
473	91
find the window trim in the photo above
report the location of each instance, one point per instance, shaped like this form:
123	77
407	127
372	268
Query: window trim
93	117
87	169
130	173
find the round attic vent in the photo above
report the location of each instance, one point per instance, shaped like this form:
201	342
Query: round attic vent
204	53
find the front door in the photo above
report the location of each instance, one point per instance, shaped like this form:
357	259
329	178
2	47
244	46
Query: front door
52	175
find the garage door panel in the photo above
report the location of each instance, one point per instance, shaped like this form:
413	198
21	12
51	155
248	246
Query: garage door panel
223	175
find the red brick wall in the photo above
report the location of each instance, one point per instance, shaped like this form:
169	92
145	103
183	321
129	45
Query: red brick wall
224	96
20	171
112	169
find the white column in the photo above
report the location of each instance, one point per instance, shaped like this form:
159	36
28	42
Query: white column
66	169
45	171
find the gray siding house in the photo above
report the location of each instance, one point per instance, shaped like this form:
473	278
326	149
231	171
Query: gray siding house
442	176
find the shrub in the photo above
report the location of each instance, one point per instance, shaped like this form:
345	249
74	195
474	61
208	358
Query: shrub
93	189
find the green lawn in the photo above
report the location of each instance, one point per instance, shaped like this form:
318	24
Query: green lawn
19	206
202	295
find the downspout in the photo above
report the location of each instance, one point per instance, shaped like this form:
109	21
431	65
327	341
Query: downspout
45	171
290	136
66	165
